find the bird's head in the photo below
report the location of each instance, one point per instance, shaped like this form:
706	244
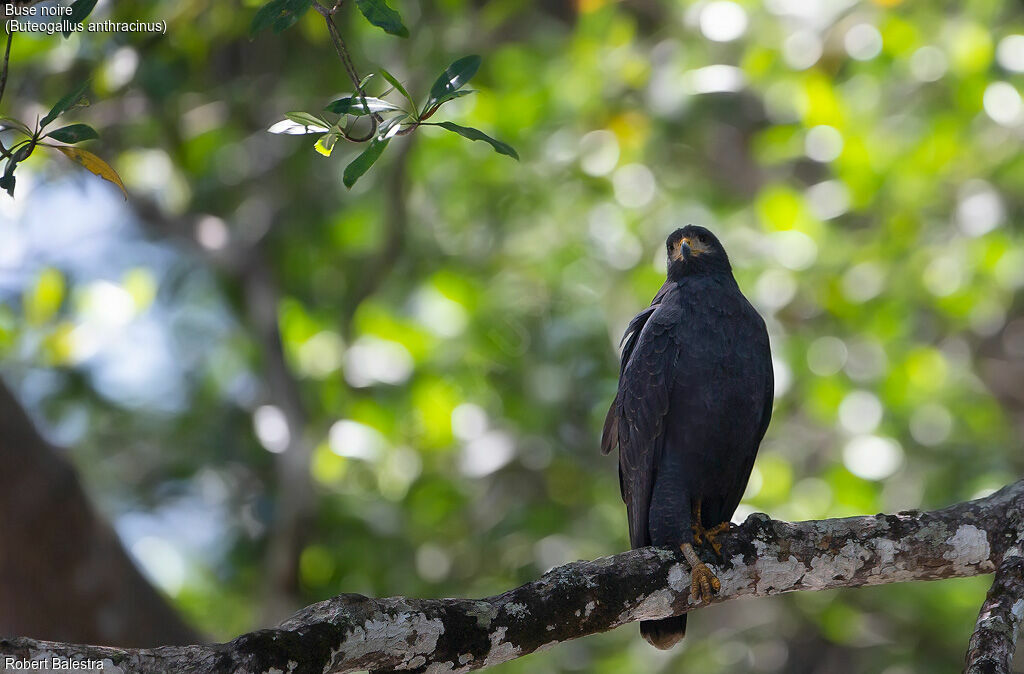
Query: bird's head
695	250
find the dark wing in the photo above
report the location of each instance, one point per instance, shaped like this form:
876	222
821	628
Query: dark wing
643	403
764	378
610	433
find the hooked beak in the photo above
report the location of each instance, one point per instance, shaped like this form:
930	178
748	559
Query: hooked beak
682	251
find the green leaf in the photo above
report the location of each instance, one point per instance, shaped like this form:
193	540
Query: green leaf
452	79
379	14
279	14
300	123
75	133
265	17
353	105
476	134
293	11
363	162
64	104
453	95
19	155
390	127
80	11
9	123
393	81
363	82
307	118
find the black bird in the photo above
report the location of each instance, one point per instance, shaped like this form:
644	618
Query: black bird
694	400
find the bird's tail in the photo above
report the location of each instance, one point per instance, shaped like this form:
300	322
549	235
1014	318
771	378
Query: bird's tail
664	633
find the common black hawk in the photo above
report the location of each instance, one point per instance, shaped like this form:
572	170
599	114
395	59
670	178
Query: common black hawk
694	400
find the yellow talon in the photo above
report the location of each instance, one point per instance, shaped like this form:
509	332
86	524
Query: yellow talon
703	583
700	534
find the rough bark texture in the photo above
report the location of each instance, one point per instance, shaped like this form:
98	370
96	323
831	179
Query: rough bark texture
995	634
65	574
761	557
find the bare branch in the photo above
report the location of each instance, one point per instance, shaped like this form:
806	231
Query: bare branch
6	64
995	634
247	265
295	504
762	558
350	68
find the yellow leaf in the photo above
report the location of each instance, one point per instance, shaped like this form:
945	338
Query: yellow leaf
325	144
93	164
43	300
141	285
58	347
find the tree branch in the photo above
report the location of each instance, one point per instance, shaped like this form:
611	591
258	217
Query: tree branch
6	64
350	69
999	622
295	494
762	557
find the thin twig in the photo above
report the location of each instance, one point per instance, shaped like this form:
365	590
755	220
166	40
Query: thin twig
350	68
409	129
346	59
7	60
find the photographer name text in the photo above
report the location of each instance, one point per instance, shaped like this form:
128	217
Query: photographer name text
54	664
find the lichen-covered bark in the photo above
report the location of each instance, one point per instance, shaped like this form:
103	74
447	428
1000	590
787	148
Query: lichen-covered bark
999	622
760	558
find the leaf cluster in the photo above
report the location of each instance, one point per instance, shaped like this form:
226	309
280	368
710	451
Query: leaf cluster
388	119
68	136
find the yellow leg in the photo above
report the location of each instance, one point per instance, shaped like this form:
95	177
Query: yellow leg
702	581
700	534
698	527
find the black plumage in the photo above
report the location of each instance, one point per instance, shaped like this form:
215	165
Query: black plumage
694	400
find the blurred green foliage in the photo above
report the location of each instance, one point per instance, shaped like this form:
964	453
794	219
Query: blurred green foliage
454	339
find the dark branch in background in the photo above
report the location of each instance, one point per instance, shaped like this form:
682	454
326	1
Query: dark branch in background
295	488
4	152
6	65
378	267
762	558
247	265
294	505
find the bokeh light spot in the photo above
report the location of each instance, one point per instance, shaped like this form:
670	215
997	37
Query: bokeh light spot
723	21
872	457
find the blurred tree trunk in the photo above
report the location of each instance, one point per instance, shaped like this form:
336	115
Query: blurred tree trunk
65	574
